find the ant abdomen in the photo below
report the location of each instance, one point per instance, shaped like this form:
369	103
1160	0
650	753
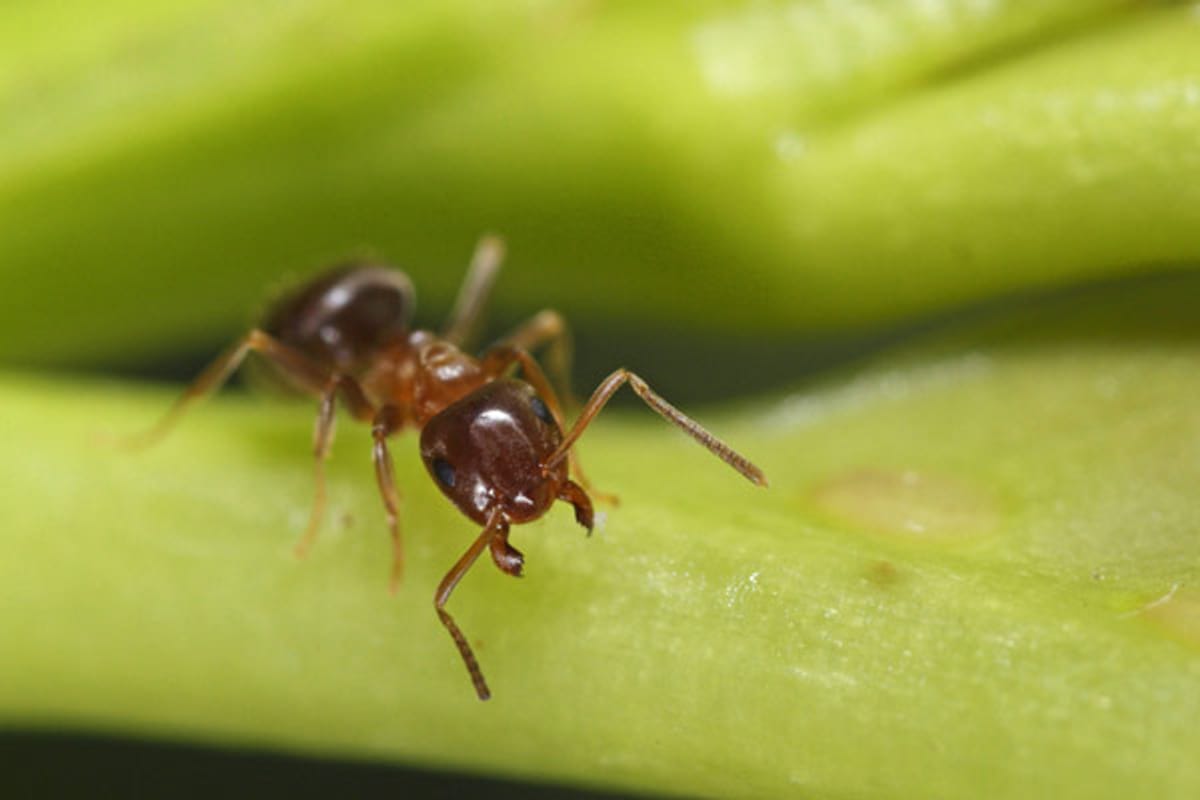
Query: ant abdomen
343	317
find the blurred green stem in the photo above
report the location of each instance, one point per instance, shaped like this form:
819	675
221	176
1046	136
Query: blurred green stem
795	170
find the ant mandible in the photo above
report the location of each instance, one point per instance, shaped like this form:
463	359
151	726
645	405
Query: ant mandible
494	445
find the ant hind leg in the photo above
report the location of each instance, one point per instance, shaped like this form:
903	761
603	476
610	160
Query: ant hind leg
387	422
476	288
307	375
294	364
323	433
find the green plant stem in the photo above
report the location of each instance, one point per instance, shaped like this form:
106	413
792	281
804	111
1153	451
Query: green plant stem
972	574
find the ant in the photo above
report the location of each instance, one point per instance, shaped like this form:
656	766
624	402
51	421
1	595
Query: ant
494	445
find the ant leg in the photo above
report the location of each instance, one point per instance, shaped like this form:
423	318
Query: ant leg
294	364
667	411
550	329
473	296
497	527
500	357
323	432
496	362
387	421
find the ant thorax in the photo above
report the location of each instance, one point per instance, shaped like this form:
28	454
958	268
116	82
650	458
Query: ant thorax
422	374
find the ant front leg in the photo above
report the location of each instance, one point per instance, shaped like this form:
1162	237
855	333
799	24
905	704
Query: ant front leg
499	358
548	328
496	527
387	422
670	413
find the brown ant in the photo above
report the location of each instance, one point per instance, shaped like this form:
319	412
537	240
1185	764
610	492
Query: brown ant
494	445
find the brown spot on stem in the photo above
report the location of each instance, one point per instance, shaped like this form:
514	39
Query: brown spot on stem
1177	614
917	505
883	574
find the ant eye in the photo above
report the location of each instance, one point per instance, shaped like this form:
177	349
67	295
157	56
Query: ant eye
444	472
539	409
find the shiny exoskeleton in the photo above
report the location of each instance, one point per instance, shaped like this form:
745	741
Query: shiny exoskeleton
493	444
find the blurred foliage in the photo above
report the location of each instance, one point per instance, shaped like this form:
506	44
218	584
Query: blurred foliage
973	573
716	166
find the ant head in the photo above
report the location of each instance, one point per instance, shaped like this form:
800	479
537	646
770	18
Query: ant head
486	451
342	317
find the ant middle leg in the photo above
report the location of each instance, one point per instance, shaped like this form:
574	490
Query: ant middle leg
619	378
